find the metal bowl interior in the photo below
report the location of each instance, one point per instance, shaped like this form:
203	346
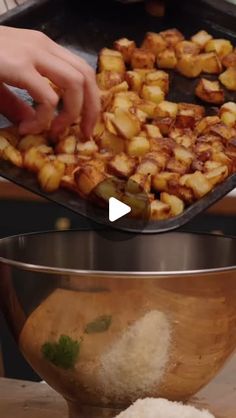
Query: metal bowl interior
147	316
115	252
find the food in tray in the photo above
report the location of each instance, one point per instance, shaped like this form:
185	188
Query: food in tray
174	152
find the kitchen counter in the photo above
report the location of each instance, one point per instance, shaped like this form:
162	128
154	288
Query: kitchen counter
26	400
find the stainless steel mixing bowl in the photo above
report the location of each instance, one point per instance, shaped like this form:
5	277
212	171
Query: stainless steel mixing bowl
106	320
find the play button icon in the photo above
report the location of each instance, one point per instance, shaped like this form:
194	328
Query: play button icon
117	209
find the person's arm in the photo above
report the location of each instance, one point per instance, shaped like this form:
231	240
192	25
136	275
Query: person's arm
26	58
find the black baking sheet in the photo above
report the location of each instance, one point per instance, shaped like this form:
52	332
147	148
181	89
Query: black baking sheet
85	28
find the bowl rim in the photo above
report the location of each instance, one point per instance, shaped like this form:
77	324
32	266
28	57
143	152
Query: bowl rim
111	273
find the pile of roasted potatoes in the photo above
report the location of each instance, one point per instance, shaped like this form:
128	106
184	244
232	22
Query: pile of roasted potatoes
174	152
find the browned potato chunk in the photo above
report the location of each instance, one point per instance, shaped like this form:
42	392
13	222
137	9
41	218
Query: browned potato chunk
11	154
87	148
201	38
159	210
126	47
67	159
122	166
197	111
142	58
152	131
165	124
199	184
210	91
30	141
67	145
126	124
121	102
225	132
139	183
34	160
166	109
50	176
185	137
190	66
107	189
217	175
108	79
148	107
143	72
87	178
228	114
186	48
205	124
138	146
183	155
211	63
108	121
120	88
110	60
175	203
177	166
185	119
229	60
221	47
152	93
167	59
134	80
172	36
154	42
148	166
106	97
183	192
228	78
158	78
160	181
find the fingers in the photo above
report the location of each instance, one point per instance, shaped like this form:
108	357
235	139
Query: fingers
15	109
91	106
71	82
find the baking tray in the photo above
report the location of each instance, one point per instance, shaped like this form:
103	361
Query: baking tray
85	28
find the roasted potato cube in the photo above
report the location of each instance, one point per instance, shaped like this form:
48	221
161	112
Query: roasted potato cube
108	118
108	79
166	109
30	141
165	124
229	60
87	148
120	88
110	60
183	155
222	158
148	166
177	166
67	145
67	182
185	119
138	146
98	130
175	203
228	114
211	63
223	131
158	78
87	178
126	47
199	184
4	143
183	192
211	165
197	111
138	183
152	131
160	181
148	107
142	58
153	94
138	203
67	159
143	72
160	156
167	59
154	42
228	78
107	189
201	38
134	80
106	97
142	116
121	102
172	36
159	210
189	65
34	160
11	154
205	124
50	176
217	175
186	48
210	91
185	137
126	124
122	165
221	47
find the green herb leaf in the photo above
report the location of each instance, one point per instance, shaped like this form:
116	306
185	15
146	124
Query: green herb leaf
100	324
63	353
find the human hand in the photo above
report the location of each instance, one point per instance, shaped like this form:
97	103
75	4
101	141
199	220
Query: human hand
26	58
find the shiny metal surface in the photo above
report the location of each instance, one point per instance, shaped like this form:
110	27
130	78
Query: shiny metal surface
170	301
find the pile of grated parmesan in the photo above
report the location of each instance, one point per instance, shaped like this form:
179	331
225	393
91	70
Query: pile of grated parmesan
136	362
161	408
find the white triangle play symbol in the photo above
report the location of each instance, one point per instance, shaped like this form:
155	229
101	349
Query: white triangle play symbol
117	209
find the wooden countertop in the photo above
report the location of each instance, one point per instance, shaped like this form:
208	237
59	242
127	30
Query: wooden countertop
36	400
